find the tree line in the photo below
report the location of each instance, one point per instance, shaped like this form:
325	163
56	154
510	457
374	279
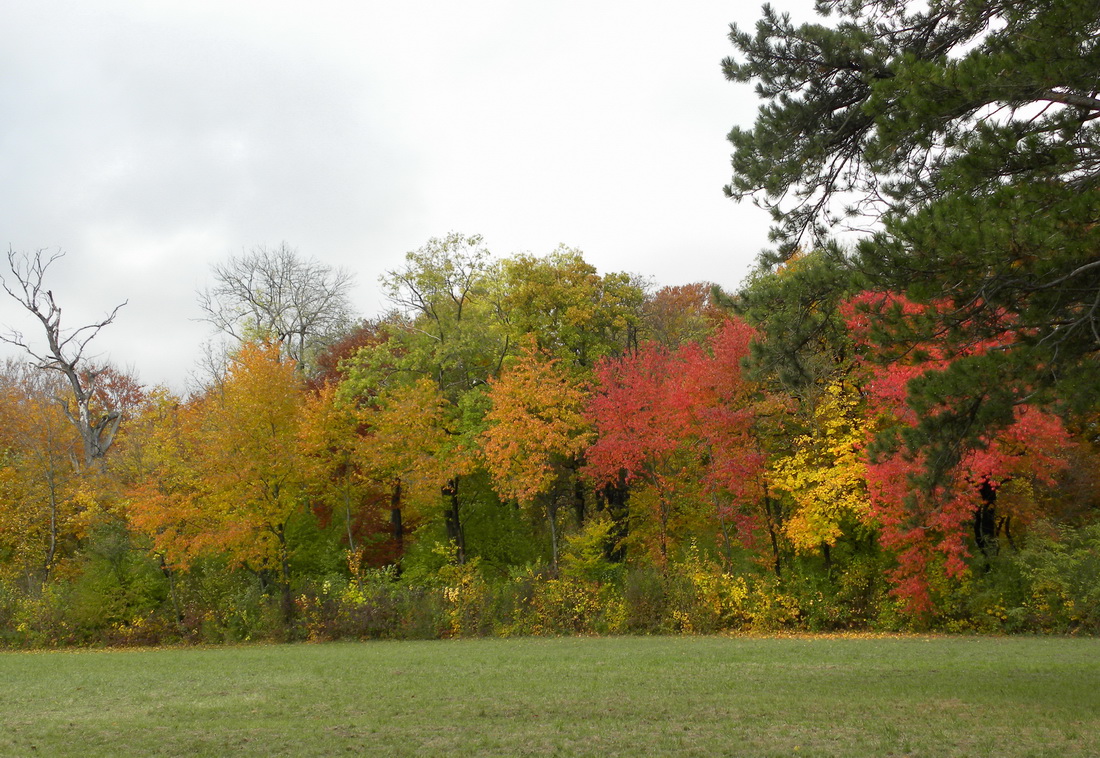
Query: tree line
516	425
894	433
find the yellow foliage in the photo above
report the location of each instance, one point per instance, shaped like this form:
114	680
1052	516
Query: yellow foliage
408	441
226	472
825	472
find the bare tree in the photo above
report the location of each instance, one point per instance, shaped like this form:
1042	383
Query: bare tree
64	351
277	294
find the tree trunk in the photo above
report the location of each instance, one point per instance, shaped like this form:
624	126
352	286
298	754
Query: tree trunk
170	576
664	511
398	527
985	522
615	495
286	597
51	549
347	509
552	517
453	520
578	500
771	520
1006	524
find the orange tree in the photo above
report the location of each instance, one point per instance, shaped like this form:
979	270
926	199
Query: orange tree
227	474
536	431
39	505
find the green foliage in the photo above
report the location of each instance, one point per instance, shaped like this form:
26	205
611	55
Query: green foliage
314	551
451	330
803	340
574	314
536	603
1051	586
1063	573
892	102
704	598
218	605
585	554
646	596
118	593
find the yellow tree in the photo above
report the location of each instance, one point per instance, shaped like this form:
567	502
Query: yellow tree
327	437
825	472
39	485
536	429
251	455
340	487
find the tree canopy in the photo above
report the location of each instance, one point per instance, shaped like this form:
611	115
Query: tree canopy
527	446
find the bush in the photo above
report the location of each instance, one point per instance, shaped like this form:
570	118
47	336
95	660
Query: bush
848	599
536	604
1062	572
646	601
703	598
771	606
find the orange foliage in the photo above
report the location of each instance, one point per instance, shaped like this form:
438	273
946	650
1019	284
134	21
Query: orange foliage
228	475
536	422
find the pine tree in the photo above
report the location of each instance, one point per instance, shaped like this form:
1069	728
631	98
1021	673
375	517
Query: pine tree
966	134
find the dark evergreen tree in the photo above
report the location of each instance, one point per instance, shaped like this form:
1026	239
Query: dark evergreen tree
965	135
796	309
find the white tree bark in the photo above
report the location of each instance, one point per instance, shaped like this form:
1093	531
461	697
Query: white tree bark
64	351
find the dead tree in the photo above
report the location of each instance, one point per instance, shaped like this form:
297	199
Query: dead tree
64	351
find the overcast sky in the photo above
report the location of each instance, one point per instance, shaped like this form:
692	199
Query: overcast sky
148	140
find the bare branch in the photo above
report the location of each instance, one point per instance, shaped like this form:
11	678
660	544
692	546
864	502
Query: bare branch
65	350
276	294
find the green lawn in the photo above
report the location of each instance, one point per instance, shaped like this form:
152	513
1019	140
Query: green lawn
604	697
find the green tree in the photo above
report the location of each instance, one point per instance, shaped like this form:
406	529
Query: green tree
449	329
968	132
573	312
803	342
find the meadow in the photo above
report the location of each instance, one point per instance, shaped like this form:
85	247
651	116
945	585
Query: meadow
617	696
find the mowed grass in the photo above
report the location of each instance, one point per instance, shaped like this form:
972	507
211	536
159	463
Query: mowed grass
704	696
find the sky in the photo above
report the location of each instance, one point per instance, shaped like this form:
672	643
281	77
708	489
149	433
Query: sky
150	140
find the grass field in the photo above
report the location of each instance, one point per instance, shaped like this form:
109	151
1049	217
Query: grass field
601	697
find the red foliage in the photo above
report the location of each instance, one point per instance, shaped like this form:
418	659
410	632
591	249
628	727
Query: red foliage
717	398
636	413
929	530
328	364
655	404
